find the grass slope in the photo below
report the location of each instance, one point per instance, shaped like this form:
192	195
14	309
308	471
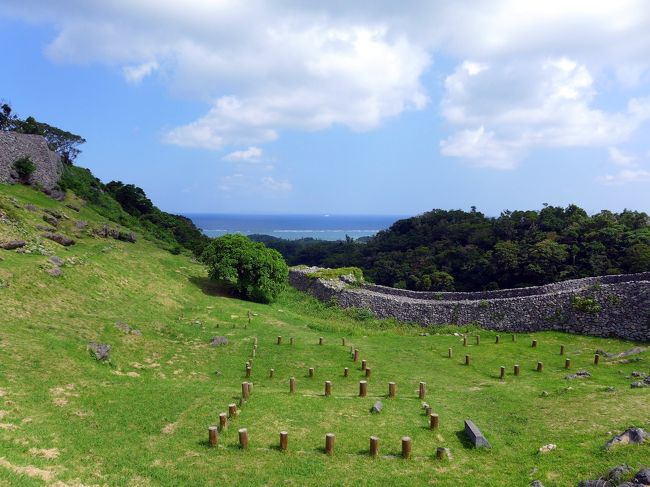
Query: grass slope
68	420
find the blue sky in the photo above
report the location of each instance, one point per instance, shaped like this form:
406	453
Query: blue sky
348	108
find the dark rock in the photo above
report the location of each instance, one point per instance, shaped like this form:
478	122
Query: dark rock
80	224
136	332
596	483
218	341
475	435
647	380
126	237
617	473
636	373
45	228
30	207
627	353
53	213
581	374
13	244
643	477
536	483
55	272
631	435
120	325
51	220
58	261
377	407
637	384
73	208
58	238
101	351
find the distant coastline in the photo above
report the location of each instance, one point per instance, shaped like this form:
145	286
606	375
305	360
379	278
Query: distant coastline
294	227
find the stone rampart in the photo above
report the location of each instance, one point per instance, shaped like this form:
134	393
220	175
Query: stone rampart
607	306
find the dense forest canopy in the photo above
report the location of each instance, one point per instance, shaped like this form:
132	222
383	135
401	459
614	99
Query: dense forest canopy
467	251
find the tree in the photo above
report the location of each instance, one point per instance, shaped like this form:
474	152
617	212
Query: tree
248	268
24	167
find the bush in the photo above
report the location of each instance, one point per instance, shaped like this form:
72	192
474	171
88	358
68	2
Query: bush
247	268
25	168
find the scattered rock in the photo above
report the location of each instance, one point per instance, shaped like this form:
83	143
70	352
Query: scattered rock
547	448
136	332
647	380
638	384
536	483
58	261
627	353
30	207
376	408
446	453
55	272
53	213
218	341
101	351
636	373
58	238
45	228
73	207
631	435
578	375
643	477
425	405
424	334
13	244
544	394
80	224
617	473
50	220
120	325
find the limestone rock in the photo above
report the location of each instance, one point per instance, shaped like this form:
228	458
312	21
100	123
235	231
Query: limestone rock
13	244
377	407
55	272
57	261
218	341
631	435
48	165
101	351
58	238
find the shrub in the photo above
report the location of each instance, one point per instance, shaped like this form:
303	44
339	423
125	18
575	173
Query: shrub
586	304
25	168
248	268
333	274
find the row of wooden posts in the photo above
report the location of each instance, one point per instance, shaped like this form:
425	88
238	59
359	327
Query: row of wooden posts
213	440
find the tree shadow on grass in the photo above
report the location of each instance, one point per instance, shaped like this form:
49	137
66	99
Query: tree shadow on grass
210	287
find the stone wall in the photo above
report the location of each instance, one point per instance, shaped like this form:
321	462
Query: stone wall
608	306
14	146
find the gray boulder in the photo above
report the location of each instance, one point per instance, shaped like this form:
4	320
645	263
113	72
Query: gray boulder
13	244
101	351
58	238
218	341
631	435
376	408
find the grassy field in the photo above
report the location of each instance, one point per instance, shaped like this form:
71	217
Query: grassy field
142	419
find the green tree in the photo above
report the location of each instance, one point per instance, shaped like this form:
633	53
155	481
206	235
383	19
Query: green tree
24	167
250	269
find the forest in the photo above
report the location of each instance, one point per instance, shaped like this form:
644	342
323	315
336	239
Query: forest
455	250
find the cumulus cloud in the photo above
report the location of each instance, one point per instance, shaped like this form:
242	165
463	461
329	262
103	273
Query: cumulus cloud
630	169
252	154
528	74
273	184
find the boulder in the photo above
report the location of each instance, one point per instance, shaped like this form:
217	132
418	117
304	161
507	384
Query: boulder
51	220
617	473
631	435
55	272
376	408
58	238
57	261
101	351
581	374
536	483
218	341
13	244
643	477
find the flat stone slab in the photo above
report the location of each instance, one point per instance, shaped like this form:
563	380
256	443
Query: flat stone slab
475	435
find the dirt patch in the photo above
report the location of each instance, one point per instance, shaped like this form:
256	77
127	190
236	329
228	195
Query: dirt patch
169	429
62	393
29	471
8	426
48	453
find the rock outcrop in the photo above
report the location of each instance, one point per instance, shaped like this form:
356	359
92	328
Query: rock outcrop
48	165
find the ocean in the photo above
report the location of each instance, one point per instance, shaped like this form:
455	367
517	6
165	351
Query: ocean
292	227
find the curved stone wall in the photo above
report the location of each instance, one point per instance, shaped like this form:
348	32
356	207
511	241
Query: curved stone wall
607	306
48	165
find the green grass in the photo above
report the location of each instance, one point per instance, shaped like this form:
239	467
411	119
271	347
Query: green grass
142	419
336	273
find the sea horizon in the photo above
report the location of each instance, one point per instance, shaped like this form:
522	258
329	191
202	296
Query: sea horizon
293	226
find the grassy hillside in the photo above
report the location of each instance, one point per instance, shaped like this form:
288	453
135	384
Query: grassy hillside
67	419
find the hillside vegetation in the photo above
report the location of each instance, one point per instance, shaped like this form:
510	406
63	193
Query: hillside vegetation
140	418
455	250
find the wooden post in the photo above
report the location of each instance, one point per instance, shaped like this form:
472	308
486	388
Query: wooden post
248	371
213	436
363	388
243	438
567	363
423	390
368	372
271	372
328	388
291	341
343	341
249	316
223	421
467	360
374	446
284	440
513	337
596	359
428	411
392	389
540	366
478	339
244	390
433	421
253	353
232	411
292	385
516	369
329	443
406	446
450	353
255	341
440	453
534	344
503	373
346	371
496	339
311	372
279	340
561	349
355	357
320	340
363	365
464	340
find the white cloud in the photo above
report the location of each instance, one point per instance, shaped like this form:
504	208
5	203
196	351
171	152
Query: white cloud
252	154
620	158
625	176
135	74
273	184
528	75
